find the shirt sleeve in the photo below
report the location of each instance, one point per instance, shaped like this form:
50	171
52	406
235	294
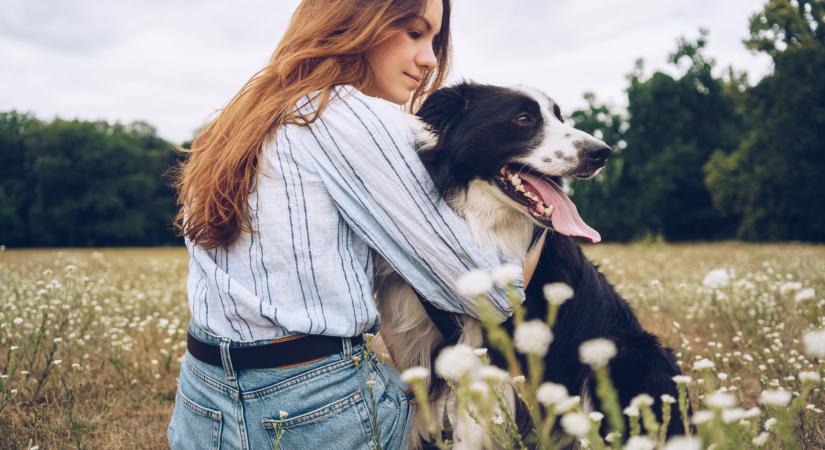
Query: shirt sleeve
365	154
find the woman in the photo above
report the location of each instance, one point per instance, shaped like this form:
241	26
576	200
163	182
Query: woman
284	196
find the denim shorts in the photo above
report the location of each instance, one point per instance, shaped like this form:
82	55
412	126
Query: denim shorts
330	403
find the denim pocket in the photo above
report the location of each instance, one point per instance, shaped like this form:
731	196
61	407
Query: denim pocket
394	412
194	426
343	424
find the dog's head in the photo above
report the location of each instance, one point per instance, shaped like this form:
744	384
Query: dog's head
516	141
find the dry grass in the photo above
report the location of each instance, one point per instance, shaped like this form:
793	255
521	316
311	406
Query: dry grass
120	315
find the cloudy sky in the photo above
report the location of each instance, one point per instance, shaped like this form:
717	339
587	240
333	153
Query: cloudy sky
174	62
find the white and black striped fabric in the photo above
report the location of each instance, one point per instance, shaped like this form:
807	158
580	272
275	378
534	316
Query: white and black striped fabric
327	195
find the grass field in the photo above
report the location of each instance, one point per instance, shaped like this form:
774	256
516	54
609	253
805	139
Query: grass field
90	340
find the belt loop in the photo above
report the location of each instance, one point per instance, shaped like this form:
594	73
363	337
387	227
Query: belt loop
226	360
347	344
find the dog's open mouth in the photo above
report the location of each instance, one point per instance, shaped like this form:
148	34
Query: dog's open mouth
545	200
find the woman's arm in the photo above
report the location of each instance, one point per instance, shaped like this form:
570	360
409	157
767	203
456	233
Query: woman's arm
364	152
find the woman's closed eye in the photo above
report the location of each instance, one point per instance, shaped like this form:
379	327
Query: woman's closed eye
415	34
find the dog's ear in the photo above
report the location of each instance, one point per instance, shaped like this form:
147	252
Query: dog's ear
444	107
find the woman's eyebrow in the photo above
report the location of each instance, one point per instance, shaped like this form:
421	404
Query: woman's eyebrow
426	22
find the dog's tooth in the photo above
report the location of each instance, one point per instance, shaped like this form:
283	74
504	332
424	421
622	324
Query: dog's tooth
520	188
548	210
503	171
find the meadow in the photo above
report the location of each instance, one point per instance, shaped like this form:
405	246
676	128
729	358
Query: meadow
90	340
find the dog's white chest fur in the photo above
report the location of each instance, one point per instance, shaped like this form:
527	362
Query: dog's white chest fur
406	328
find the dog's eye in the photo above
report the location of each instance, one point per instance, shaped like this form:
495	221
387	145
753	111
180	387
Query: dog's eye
523	120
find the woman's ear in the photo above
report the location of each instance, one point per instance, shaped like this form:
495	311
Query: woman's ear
444	107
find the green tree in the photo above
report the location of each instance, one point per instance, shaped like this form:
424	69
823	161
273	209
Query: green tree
771	183
593	196
655	186
15	179
76	183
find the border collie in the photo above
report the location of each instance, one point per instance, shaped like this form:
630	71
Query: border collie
498	156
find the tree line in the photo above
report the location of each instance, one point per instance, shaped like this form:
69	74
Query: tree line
699	156
711	157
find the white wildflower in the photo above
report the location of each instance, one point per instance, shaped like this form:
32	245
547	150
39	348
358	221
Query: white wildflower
666	398
779	398
551	394
809	377
480	352
575	424
57	362
639	443
770	423
737	414
533	337
789	286
474	283
283	414
453	362
17	320
703	364
683	443
682	379
506	274
804	294
596	416
568	404
814	343
702	416
642	400
479	389
716	278
519	379
557	293
597	352
762	439
631	411
414	374
720	400
492	374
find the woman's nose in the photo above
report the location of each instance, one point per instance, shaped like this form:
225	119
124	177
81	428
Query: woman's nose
426	58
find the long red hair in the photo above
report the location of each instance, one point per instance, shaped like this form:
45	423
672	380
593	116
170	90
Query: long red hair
324	46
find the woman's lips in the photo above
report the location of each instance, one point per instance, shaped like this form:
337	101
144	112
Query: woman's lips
413	77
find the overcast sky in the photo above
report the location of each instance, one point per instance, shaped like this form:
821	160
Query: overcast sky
174	62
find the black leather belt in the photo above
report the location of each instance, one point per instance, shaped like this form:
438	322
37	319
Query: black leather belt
288	351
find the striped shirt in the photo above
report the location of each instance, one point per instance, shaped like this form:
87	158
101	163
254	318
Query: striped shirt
327	196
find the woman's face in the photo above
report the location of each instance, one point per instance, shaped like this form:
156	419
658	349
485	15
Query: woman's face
400	63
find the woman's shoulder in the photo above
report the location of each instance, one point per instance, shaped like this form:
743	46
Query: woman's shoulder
348	100
351	110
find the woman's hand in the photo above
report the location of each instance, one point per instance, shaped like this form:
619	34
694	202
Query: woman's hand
532	260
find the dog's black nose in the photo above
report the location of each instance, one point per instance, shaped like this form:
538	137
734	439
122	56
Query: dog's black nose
597	154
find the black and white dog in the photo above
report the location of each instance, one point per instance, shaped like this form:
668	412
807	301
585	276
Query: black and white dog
498	155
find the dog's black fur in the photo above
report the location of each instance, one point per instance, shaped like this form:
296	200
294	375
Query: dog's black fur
475	138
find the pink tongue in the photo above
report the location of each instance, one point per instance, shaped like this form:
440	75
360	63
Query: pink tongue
566	219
